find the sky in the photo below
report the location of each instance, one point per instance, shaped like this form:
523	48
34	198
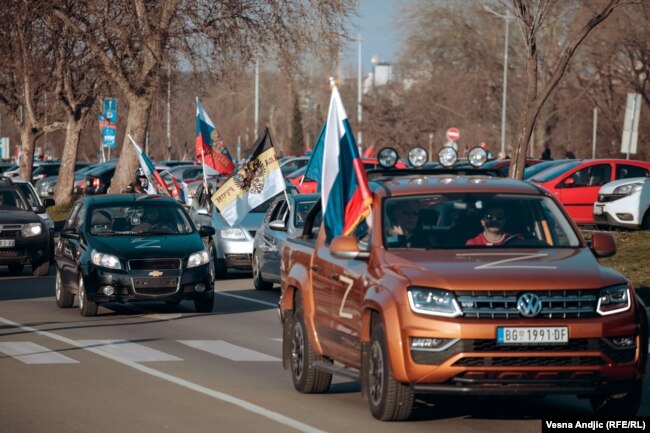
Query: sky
373	22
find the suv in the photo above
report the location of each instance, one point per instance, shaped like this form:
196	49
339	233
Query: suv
466	285
24	236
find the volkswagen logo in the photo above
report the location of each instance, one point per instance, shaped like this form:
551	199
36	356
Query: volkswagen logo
529	305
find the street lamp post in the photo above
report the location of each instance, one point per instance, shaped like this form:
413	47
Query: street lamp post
359	92
506	18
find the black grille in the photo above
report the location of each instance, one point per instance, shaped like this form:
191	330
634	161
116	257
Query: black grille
537	361
606	198
575	345
11	234
600	219
155	286
11	253
154	264
502	304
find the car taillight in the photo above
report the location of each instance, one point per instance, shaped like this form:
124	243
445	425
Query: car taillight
96	182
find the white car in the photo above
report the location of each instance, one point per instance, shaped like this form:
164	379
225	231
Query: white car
624	203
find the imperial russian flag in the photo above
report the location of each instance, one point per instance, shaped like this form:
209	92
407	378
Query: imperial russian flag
209	140
345	192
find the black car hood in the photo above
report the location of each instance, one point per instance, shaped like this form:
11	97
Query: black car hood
11	215
130	247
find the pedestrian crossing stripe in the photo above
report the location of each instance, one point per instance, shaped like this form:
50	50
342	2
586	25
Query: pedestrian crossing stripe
32	353
229	351
133	352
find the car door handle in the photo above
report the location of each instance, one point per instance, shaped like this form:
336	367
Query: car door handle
315	268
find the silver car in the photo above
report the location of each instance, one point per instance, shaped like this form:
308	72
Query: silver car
231	247
284	219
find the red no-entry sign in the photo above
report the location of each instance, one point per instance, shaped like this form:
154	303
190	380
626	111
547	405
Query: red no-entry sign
453	134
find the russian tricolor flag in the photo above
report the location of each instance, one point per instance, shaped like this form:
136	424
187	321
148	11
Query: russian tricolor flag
345	192
150	171
209	146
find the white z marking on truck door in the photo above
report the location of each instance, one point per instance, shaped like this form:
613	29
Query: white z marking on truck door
349	282
501	264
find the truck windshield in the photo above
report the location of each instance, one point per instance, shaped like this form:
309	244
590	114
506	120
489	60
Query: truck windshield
475	221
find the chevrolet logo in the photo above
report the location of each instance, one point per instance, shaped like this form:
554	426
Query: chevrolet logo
155	274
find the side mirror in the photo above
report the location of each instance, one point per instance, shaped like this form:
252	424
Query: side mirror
48	202
568	182
203	211
278	225
39	209
206	231
70	233
346	247
603	244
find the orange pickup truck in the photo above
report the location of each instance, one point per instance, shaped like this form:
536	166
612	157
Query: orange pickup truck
461	284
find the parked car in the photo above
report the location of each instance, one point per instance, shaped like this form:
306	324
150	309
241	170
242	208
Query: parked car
24	236
48	168
128	248
45	187
503	165
8	166
98	180
290	164
284	218
624	203
576	184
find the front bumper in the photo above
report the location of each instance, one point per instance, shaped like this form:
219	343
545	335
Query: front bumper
619	212
147	285
32	250
237	254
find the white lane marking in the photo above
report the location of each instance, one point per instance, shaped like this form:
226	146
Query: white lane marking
133	352
257	301
217	395
32	353
228	351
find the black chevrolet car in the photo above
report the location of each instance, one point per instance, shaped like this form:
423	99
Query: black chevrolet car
129	247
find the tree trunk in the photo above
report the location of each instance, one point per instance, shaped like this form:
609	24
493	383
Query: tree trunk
28	143
64	185
139	111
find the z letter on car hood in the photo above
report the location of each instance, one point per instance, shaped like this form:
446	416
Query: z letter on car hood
482	269
149	246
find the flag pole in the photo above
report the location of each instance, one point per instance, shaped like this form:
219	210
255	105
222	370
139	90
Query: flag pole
205	179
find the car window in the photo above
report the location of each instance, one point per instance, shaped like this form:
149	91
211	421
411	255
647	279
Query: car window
72	216
594	175
79	219
301	212
461	220
554	172
128	219
12	198
29	194
626	171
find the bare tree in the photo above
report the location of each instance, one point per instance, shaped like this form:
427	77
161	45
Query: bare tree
25	74
135	40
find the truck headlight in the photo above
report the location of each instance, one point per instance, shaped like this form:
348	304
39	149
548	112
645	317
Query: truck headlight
233	234
434	302
612	300
628	189
32	229
198	258
105	260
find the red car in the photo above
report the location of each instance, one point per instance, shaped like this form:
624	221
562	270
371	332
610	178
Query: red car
309	186
576	184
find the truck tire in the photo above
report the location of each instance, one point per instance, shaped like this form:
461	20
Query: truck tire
620	405
388	399
64	299
41	270
258	281
86	308
306	378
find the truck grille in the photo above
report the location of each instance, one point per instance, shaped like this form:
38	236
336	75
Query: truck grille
538	361
10	231
155	286
11	253
154	264
501	304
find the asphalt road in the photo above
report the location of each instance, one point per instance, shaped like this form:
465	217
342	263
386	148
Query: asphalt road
155	368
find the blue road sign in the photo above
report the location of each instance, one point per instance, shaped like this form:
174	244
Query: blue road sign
110	109
108	137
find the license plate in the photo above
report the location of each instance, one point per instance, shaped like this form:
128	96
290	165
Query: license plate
526	335
598	210
7	243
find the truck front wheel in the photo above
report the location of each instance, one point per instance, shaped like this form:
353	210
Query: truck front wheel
388	399
306	378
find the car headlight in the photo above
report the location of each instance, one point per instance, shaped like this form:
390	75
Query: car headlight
233	234
32	229
628	189
198	258
105	260
434	302
612	300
